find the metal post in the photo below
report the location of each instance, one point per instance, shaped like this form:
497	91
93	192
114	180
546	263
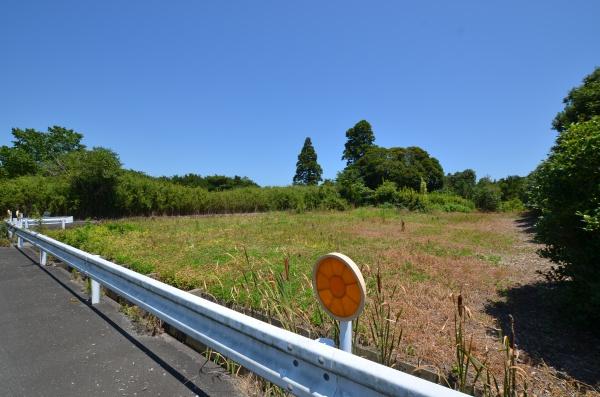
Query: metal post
19	242
43	257
26	223
95	291
346	336
62	223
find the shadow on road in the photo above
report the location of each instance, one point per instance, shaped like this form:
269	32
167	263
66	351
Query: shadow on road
163	364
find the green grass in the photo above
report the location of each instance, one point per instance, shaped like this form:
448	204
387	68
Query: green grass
218	253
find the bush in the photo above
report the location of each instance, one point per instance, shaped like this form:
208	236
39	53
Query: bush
385	193
566	193
514	205
448	203
487	196
409	199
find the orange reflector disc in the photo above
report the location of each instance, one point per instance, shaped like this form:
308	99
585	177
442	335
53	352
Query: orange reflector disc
339	286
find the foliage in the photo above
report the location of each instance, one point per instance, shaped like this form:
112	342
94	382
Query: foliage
212	182
308	170
36	193
403	166
352	187
93	176
32	150
513	187
385	193
512	205
15	162
445	202
487	195
566	192
581	104
461	183
359	139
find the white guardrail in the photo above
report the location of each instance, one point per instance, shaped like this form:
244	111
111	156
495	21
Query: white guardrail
300	365
47	220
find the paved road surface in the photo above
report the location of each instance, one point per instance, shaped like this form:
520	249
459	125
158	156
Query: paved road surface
53	343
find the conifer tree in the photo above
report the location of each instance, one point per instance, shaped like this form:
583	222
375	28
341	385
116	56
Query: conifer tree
308	171
360	138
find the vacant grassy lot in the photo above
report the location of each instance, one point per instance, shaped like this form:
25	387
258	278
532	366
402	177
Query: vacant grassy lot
425	257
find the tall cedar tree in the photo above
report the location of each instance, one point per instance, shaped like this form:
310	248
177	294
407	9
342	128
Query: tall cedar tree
360	138
308	171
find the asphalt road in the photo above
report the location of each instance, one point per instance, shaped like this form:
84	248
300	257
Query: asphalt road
53	343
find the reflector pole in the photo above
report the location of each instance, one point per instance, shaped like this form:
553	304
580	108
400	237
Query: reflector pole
346	336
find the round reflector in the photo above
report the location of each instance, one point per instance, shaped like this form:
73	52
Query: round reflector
339	286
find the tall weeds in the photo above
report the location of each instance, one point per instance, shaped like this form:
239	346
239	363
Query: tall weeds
473	375
383	324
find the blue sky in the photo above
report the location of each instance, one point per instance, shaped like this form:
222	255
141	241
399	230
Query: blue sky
235	87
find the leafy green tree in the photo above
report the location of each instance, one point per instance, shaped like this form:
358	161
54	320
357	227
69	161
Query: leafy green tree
360	139
33	151
308	170
212	182
462	183
513	187
15	162
93	176
565	190
352	187
487	195
403	166
581	104
47	146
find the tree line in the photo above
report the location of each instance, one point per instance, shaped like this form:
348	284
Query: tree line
373	172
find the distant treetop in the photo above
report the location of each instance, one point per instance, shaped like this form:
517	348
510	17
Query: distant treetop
308	170
360	139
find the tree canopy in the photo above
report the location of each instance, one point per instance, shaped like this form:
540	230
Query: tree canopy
308	170
360	139
34	150
213	182
581	104
462	183
406	167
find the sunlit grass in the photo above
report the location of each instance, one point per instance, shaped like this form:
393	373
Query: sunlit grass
210	252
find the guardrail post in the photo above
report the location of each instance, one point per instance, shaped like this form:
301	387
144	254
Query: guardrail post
19	242
43	257
95	291
26	223
62	224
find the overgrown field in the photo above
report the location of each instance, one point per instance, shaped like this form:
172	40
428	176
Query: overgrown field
427	258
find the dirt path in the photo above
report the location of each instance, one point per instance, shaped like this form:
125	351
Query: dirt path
559	353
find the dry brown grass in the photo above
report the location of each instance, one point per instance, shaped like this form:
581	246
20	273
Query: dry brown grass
484	256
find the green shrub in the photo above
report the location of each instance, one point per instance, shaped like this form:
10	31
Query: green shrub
513	205
447	202
385	193
409	199
566	193
487	197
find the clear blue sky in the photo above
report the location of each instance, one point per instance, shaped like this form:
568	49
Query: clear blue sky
234	87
